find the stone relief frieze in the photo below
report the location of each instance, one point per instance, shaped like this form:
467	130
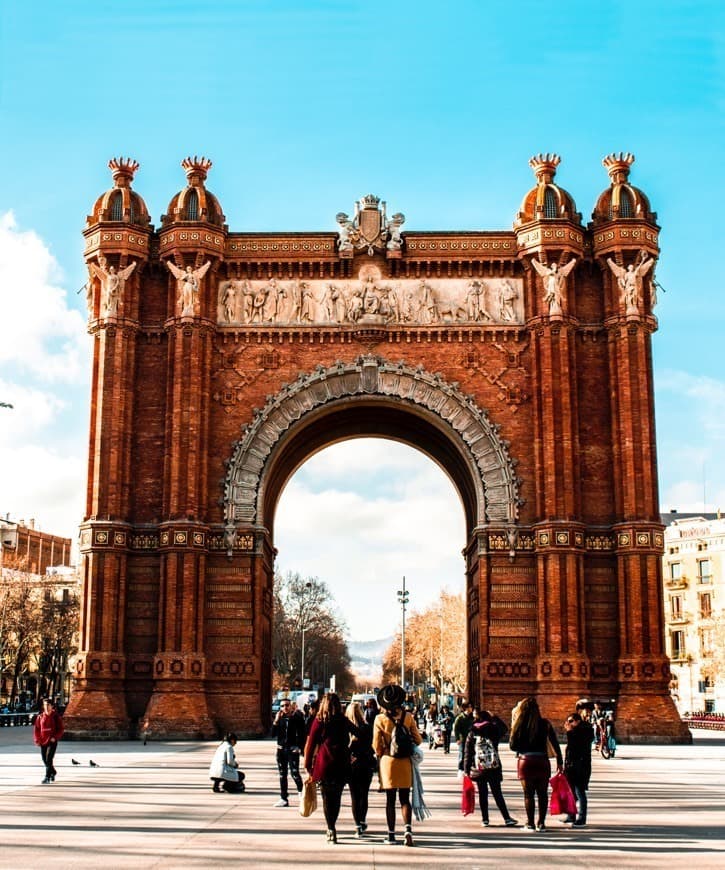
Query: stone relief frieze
370	300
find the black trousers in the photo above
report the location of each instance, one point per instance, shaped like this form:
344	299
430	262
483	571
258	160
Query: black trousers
495	786
288	760
360	780
47	753
331	800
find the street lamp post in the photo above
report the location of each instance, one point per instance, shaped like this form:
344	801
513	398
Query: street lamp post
308	589
403	597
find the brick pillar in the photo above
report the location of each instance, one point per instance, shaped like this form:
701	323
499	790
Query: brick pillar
563	663
645	707
177	706
98	702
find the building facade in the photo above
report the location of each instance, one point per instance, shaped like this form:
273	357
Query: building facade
23	545
518	359
694	584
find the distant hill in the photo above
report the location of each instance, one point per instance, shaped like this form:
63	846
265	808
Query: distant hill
367	658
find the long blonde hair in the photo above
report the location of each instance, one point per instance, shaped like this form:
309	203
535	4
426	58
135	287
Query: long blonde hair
355	714
329	706
525	718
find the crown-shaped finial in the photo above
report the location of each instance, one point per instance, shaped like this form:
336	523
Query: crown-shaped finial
370	201
544	166
196	167
123	170
617	165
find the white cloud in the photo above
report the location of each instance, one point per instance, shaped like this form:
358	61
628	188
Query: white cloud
392	512
39	333
691	440
44	359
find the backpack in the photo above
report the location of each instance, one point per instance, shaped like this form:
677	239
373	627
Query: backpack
486	754
401	742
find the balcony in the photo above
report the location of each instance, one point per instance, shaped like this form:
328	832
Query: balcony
679	583
683	617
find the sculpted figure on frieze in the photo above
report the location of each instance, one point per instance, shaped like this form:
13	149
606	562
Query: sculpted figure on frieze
507	297
112	284
346	233
229	302
629	281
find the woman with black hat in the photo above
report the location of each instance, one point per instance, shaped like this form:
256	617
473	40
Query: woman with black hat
394	736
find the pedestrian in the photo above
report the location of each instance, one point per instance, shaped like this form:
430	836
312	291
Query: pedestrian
482	762
431	723
396	767
445	722
362	766
371	711
289	729
578	764
327	757
47	731
461	727
532	738
311	711
224	770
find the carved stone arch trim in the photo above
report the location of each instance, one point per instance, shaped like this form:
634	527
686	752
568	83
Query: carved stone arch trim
496	484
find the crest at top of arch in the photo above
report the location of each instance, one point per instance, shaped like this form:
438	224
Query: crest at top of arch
497	487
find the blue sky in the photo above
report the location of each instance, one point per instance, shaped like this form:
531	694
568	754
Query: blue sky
306	106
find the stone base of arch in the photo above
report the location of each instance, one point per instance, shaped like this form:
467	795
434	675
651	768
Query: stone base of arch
179	710
97	713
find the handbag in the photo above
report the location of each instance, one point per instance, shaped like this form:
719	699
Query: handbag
468	796
562	798
308	798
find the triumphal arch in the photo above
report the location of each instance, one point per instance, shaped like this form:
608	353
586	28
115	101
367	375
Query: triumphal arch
519	360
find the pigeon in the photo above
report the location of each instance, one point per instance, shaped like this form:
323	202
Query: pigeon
73	761
92	763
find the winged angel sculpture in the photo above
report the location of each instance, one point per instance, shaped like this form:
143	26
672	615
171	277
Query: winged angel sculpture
187	284
629	281
554	280
112	283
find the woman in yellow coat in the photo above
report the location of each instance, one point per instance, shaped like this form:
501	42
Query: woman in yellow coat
396	773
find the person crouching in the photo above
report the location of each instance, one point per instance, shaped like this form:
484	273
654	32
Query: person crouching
224	771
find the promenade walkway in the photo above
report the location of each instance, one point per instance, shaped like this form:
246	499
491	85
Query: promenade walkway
152	806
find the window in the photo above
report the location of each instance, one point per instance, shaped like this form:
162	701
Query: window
676	606
675	570
117	206
192	206
551	204
705	601
677	639
709	705
704	574
706	641
626	206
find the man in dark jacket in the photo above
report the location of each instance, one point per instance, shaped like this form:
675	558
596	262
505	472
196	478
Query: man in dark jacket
461	727
289	729
578	764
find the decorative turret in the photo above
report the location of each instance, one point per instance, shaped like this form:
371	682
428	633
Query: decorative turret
120	204
546	201
195	203
621	200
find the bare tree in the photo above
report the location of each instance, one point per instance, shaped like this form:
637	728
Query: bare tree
304	605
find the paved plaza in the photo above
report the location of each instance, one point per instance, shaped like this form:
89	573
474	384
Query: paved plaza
152	806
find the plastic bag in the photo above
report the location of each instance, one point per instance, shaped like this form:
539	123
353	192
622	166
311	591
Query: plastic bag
308	798
562	798
468	796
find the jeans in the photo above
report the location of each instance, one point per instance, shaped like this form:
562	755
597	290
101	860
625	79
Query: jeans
288	760
47	753
580	794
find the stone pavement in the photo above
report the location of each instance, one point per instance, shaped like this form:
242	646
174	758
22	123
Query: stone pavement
152	806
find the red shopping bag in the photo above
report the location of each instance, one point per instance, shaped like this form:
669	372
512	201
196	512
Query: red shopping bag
468	796
562	798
